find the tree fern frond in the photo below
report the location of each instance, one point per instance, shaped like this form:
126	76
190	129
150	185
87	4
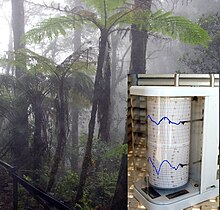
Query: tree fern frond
111	5
88	16
6	80
81	85
51	28
27	60
122	17
178	27
160	14
87	67
4	62
34	62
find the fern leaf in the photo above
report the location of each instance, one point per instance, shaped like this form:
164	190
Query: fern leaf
178	27
110	5
160	14
19	63
27	60
120	18
88	16
51	28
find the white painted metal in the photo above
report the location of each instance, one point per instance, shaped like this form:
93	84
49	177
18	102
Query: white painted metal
210	143
173	91
207	80
209	186
180	204
197	137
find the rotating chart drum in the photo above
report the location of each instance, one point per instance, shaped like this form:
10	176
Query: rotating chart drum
168	123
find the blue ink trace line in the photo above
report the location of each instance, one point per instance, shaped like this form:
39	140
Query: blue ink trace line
165	118
158	170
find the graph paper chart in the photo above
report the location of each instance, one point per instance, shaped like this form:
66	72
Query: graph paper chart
168	141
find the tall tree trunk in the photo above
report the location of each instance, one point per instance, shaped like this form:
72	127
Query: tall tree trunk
114	45
104	104
104	100
138	50
139	42
38	145
119	201
18	27
20	124
96	96
61	137
75	113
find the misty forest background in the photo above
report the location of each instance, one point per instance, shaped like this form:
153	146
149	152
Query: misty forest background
63	86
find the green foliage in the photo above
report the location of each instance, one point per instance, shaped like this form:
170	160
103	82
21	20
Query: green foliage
99	190
205	60
51	28
103	171
108	14
22	198
86	202
101	186
30	62
26	201
8	102
108	6
178	27
35	62
4	62
87	67
67	186
117	151
83	84
35	67
101	151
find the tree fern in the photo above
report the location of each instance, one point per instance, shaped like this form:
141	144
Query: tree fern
51	28
83	84
178	27
108	6
27	60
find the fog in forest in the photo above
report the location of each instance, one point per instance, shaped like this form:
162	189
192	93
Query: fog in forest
63	85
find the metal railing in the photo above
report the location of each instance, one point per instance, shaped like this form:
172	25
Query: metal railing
42	197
